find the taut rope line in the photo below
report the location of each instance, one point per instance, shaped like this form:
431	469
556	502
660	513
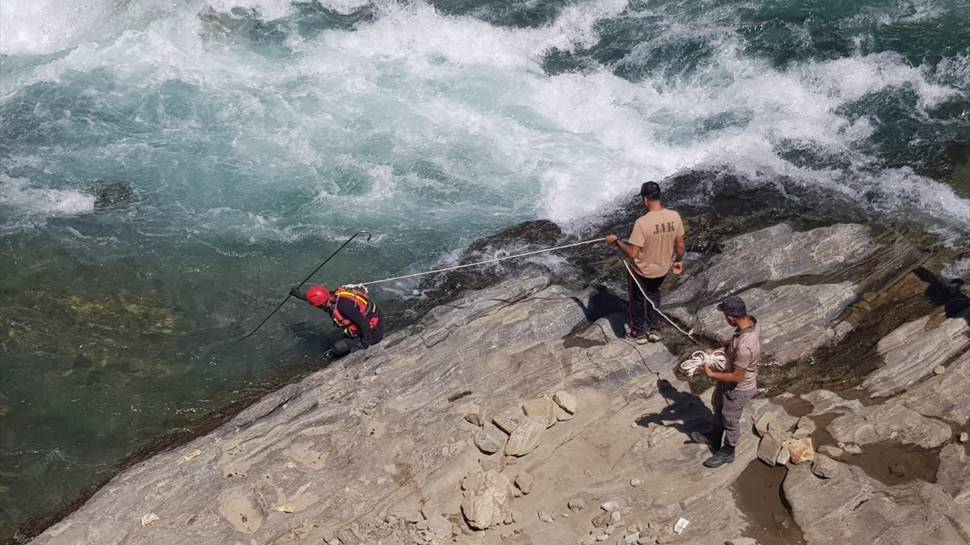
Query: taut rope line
480	263
715	359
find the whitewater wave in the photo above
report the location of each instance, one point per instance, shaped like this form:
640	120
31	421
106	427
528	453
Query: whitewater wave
26	204
421	121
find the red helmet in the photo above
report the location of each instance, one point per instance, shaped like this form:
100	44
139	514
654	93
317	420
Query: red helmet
318	296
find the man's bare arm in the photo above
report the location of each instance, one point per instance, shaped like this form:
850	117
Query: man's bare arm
631	250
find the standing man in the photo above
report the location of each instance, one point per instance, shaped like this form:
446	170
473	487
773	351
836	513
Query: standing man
656	247
736	385
352	310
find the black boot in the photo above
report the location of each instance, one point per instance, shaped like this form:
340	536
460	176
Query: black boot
722	457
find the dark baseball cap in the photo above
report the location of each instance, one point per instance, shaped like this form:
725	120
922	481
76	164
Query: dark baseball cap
733	306
650	190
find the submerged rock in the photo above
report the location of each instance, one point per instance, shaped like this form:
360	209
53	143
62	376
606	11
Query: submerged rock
109	193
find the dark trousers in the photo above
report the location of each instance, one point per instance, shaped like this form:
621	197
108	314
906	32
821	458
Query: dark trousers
348	345
729	404
643	317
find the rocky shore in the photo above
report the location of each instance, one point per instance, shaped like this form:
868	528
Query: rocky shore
517	413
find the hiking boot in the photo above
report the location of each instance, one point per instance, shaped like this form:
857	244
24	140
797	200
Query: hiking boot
722	457
654	336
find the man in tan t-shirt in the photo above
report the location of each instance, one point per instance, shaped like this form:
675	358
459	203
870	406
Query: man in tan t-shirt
657	237
736	385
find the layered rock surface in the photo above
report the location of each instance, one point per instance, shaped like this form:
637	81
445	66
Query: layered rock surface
516	414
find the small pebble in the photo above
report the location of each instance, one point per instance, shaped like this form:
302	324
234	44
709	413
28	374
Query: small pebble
939	370
610	506
964	437
635	482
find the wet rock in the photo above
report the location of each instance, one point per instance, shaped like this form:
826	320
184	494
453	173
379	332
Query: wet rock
526	437
487	499
913	351
109	193
889	422
824	401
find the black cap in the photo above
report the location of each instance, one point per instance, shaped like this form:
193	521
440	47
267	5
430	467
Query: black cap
733	306
650	190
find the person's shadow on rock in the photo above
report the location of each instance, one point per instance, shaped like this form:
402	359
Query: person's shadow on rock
945	292
684	412
603	304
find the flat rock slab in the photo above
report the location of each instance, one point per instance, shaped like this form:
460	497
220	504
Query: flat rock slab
853	508
913	349
795	319
889	422
776	253
945	396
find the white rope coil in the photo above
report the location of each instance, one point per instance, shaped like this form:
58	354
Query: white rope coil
700	358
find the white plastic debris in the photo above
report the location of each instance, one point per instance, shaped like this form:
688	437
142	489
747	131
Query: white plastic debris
149	519
192	455
681	525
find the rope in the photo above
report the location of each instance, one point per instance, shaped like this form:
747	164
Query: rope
700	358
689	334
480	263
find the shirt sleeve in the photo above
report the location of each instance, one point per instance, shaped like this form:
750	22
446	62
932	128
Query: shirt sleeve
637	237
679	226
745	356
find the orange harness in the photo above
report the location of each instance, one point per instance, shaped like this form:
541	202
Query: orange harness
365	306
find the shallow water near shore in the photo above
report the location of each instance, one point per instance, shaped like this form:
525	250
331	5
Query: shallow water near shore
257	135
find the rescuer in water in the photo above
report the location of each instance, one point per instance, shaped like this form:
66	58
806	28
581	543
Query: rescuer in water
352	310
